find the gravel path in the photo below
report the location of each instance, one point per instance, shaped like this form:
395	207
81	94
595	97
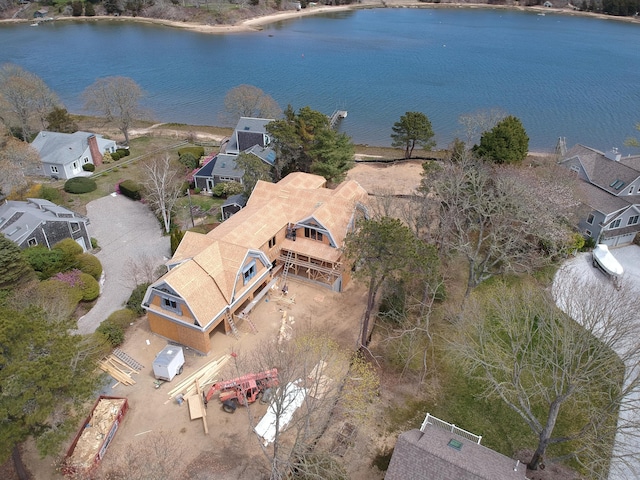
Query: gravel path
130	238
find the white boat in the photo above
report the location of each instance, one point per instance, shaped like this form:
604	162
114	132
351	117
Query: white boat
604	259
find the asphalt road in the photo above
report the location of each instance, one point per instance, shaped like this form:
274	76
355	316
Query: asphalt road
130	239
580	268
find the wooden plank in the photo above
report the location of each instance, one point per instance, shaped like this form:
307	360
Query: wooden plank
195	407
204	410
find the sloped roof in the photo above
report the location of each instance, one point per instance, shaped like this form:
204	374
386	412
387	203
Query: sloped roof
18	219
428	456
225	166
250	125
207	168
214	259
62	148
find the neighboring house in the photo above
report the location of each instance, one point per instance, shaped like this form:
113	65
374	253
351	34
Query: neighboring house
233	205
548	4
40	222
611	189
215	279
42	13
250	136
441	451
64	154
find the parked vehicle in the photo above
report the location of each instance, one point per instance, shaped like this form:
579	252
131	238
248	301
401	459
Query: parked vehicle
242	390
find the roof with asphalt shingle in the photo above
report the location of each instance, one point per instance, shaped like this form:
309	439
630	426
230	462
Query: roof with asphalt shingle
63	148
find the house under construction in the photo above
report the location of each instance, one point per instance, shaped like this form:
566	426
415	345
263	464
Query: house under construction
295	227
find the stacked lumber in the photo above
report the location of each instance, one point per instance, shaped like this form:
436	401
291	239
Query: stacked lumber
119	370
206	375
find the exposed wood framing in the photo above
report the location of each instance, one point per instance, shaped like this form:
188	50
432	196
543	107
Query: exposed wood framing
312	268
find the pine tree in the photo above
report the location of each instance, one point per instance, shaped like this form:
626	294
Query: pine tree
13	268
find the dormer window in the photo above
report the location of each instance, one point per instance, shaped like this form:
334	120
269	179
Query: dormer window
312	234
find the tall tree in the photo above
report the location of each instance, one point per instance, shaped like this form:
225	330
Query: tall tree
17	161
25	100
507	142
163	184
59	120
566	379
13	267
476	123
45	377
413	129
254	169
118	100
495	219
249	101
305	142
379	248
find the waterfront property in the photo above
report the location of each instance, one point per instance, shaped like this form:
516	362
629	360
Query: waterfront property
610	188
41	222
64	154
296	226
250	136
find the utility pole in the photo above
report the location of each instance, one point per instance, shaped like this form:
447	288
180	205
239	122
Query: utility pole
193	224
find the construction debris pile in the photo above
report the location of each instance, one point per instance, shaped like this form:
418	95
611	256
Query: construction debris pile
97	428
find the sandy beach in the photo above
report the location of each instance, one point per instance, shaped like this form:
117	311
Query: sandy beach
256	23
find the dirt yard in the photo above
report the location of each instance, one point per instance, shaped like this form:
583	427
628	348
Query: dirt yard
230	450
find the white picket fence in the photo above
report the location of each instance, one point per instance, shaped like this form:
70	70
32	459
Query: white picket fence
436	422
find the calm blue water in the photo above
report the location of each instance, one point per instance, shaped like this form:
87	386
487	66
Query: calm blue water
562	76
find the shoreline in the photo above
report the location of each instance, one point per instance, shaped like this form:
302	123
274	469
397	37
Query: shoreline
255	24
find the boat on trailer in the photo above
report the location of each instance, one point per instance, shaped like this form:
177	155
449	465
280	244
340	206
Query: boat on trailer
604	260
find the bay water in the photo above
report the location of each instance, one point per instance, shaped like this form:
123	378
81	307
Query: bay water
575	77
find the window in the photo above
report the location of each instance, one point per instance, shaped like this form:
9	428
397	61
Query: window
272	242
588	232
75	165
590	219
227	179
170	304
75	227
633	220
614	224
54	169
575	168
312	234
631	190
32	242
85	160
248	272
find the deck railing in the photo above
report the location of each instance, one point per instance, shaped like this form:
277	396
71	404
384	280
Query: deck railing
450	427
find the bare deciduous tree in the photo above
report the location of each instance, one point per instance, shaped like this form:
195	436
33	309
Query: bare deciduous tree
498	222
476	123
249	101
163	185
118	100
24	99
567	380
17	160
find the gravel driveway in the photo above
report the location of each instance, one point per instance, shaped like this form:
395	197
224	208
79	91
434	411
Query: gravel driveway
581	268
128	234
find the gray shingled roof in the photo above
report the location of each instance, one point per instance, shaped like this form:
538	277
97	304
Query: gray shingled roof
62	148
247	124
428	456
226	166
19	219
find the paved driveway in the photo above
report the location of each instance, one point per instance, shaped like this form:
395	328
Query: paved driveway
581	268
128	234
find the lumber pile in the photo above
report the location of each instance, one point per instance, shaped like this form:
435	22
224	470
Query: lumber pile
202	377
119	370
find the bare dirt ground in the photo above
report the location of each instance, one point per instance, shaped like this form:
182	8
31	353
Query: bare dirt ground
397	178
230	450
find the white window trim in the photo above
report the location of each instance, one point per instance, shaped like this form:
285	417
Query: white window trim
54	169
590	218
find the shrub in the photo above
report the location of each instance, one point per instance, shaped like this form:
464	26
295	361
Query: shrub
226	189
89	287
197	190
90	264
106	158
176	238
135	300
89	167
189	160
94	242
123	318
80	185
123	152
51	194
130	189
194	150
45	262
115	156
89	10
112	333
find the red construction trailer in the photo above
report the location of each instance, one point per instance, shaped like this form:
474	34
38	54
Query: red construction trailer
94	436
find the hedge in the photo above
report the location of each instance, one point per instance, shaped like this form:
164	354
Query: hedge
135	299
130	189
89	167
115	156
123	152
193	150
90	264
89	287
80	185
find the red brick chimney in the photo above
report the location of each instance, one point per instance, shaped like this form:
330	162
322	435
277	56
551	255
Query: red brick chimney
96	156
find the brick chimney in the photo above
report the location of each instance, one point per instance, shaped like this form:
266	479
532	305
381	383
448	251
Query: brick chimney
96	156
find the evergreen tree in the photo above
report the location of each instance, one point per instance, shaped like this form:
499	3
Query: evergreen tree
59	119
413	129
13	268
507	142
254	169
